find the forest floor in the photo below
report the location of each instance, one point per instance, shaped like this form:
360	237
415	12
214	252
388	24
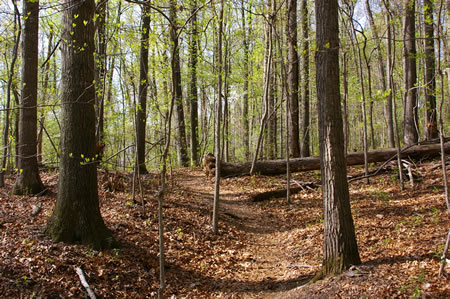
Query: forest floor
268	249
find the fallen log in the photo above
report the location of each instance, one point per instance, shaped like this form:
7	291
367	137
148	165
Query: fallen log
276	167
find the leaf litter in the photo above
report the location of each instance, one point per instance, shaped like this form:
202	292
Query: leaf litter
267	249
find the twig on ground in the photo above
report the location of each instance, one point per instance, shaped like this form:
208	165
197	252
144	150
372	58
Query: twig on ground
85	284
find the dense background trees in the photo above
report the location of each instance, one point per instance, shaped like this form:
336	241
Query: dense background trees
182	49
106	80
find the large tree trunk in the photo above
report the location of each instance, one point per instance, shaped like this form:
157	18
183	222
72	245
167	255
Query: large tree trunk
141	113
180	126
28	180
293	66
431	130
340	249
277	167
410	119
193	95
76	216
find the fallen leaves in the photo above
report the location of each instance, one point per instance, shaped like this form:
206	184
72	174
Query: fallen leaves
263	249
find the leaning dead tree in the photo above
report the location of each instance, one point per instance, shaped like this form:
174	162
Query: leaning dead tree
277	167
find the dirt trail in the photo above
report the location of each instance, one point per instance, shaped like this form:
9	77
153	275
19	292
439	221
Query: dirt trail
267	269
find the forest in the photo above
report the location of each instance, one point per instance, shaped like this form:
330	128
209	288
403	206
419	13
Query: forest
224	149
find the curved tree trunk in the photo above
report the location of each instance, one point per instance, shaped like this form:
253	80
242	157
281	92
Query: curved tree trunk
76	216
28	180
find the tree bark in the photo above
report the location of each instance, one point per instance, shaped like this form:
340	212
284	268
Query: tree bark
410	115
216	203
305	127
28	181
193	95
340	247
245	119
180	141
293	79
141	109
270	145
277	167
431	130
76	216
